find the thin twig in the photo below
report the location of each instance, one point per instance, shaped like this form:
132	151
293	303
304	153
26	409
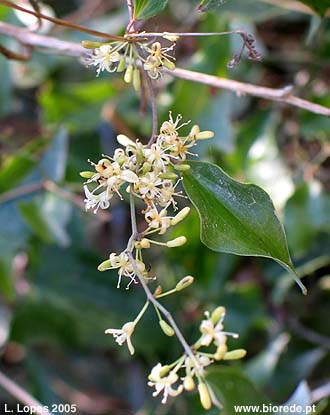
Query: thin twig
20	192
62	22
22	395
308	334
320	393
153	103
150	296
283	95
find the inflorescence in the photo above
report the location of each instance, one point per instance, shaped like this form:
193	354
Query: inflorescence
151	173
130	56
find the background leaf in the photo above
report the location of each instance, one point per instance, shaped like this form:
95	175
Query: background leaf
144	9
320	6
206	5
236	218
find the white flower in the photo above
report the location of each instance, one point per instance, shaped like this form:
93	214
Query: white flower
156	156
147	186
122	262
104	58
213	332
101	200
164	383
157	219
169	129
124	335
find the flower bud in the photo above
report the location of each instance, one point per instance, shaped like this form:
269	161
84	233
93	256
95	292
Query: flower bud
128	74
180	216
204	396
184	283
221	351
87	44
169	64
122	64
146	167
167	329
182	167
234	354
125	141
169	176
181	240
188	383
136	80
145	243
204	135
163	371
158	291
105	265
194	131
171	37
218	314
87	174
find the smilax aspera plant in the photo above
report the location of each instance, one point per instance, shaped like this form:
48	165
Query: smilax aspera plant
151	174
155	176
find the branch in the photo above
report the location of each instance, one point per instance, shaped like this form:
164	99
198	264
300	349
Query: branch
75	50
241	88
22	395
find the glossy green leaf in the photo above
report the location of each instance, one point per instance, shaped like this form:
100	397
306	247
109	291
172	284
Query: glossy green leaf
47	217
234	389
206	5
320	6
54	161
144	9
236	218
16	167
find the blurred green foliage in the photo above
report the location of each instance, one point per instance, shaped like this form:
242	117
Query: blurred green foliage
55	305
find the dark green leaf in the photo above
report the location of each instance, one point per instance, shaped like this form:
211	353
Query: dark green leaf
206	5
320	6
54	161
18	166
7	288
47	218
144	9
236	218
233	388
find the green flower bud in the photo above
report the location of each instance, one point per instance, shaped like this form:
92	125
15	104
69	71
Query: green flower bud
180	216
87	44
204	396
189	383
105	265
136	80
218	314
234	354
122	64
169	64
181	240
128	74
169	176
146	167
167	329
182	167
87	174
184	283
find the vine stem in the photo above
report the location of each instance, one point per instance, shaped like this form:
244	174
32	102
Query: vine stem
153	103
22	395
150	296
282	95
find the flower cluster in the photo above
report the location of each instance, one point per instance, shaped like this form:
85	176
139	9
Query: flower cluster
182	374
150	173
129	55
